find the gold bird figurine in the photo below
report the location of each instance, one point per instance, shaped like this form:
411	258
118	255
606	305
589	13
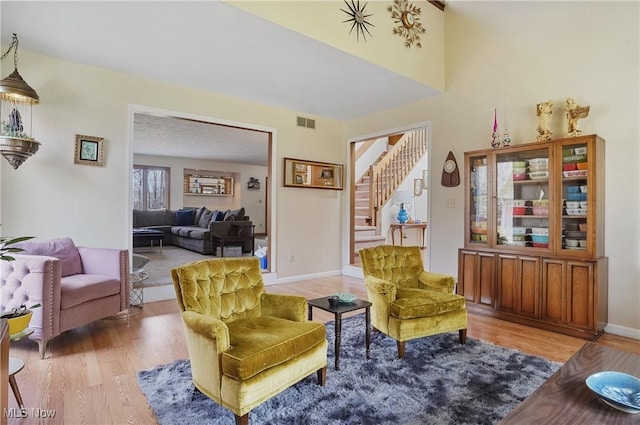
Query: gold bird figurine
575	112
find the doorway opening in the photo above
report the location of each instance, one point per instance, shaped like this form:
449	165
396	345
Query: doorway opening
384	166
241	153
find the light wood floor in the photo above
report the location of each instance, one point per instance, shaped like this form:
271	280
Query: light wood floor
89	376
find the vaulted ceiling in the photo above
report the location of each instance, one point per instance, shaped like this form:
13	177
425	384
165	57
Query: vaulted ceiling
211	46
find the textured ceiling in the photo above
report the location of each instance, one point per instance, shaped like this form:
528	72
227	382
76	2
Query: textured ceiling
178	137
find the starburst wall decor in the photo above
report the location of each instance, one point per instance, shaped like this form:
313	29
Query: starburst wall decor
358	19
408	18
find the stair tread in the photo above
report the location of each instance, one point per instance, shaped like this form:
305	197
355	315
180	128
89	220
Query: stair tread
364	228
369	238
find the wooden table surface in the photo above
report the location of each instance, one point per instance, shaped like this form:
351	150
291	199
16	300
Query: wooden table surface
565	398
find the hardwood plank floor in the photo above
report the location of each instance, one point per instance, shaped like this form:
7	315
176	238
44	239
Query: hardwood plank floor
89	376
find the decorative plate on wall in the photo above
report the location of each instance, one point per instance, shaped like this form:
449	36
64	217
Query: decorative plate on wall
407	16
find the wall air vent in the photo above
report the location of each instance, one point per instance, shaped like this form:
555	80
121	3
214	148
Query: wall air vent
306	122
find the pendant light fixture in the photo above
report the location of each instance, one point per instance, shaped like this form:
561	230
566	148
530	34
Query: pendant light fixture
16	101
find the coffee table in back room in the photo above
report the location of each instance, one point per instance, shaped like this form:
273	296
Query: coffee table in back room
147	235
338	310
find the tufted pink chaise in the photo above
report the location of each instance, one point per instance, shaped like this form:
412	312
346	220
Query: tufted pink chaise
75	285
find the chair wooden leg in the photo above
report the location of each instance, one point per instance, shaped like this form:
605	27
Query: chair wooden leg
322	376
463	336
242	420
400	349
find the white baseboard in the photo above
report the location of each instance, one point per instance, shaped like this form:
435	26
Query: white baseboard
308	276
622	331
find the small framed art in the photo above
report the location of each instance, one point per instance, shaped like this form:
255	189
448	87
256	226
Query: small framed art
417	187
89	150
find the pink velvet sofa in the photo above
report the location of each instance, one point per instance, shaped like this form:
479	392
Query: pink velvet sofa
75	285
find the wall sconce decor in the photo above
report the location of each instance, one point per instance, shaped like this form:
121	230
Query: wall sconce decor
16	100
89	150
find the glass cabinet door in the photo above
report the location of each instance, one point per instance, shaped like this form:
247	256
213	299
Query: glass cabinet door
478	200
575	197
522	198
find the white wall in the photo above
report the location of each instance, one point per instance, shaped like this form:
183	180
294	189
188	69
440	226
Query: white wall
49	196
511	56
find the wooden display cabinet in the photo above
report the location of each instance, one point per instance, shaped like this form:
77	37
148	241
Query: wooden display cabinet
534	235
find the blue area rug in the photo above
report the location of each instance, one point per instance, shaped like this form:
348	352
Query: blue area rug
438	382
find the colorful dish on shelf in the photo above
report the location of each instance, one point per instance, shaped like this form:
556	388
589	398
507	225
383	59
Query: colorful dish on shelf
540	245
540	210
519	164
619	390
518	177
575	173
538	161
512	243
573	189
519	210
479	230
576	196
538	167
574	158
572	204
582	165
576	211
583	189
540	202
569	167
536	175
515	202
540	239
541	231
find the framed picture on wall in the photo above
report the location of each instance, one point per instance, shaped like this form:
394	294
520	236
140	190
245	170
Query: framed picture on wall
89	150
312	174
417	187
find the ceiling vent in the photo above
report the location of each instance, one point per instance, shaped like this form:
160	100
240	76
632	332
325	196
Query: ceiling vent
306	122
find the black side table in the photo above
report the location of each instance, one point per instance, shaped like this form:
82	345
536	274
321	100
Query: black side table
323	304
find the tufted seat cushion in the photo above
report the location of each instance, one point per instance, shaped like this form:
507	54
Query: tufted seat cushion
260	343
416	303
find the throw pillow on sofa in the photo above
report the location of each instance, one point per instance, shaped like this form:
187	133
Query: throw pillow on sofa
234	215
185	217
62	248
205	218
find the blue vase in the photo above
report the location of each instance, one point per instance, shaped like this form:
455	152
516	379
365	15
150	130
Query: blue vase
402	215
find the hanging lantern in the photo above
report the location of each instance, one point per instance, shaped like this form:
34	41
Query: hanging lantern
16	101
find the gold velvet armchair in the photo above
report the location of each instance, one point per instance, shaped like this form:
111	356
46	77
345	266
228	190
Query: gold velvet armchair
245	345
408	302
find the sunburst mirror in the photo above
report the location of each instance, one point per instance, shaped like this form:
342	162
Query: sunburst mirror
407	16
358	19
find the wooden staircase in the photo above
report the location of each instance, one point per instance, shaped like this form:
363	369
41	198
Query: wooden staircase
365	234
377	186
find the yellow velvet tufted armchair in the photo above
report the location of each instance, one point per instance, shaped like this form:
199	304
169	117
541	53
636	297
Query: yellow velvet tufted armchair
245	345
407	301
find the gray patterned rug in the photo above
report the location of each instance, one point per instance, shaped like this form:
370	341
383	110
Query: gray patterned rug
438	382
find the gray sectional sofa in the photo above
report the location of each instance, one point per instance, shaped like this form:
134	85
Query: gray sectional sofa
193	229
